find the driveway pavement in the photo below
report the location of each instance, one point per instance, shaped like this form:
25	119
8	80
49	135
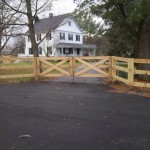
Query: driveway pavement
72	116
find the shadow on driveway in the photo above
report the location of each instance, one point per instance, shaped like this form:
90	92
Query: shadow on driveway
72	116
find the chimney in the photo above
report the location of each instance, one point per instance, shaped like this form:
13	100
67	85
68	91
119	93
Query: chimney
50	15
36	19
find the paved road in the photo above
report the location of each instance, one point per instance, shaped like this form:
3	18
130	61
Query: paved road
72	116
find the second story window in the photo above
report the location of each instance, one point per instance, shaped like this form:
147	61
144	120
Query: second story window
49	36
77	37
38	37
70	37
69	23
62	36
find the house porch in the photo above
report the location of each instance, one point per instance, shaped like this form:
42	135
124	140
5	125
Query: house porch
68	49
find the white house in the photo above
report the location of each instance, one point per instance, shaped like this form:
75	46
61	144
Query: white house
59	36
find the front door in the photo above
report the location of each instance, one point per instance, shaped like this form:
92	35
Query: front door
78	51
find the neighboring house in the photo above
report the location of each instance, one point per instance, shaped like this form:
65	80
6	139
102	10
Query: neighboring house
63	37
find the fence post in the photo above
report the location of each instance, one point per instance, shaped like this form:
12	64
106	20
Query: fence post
71	66
110	68
36	67
113	68
131	71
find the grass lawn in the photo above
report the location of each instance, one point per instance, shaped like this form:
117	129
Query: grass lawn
6	69
18	68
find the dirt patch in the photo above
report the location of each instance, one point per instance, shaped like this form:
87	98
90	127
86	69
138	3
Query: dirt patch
123	88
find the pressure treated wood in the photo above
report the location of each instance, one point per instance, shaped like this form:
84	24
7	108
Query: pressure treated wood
122	68
54	66
99	66
90	66
15	67
131	71
15	76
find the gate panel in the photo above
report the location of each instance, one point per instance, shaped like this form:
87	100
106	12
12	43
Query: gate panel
54	66
92	66
74	66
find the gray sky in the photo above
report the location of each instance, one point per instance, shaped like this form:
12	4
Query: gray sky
61	7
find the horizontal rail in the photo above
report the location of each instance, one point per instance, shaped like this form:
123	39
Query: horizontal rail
131	71
103	66
121	68
15	76
121	59
15	67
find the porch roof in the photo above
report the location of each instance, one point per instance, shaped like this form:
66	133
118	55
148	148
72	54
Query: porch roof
71	45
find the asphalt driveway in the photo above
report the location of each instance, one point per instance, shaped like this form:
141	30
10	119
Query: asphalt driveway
72	116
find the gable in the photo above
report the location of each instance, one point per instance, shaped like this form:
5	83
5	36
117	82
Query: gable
47	24
69	27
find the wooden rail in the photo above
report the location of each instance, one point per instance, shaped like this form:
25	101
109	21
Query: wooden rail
10	68
129	68
99	66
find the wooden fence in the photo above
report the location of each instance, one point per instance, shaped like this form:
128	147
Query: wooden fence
13	67
73	66
117	68
127	66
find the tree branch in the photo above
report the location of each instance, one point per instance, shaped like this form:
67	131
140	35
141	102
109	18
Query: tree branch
125	16
16	10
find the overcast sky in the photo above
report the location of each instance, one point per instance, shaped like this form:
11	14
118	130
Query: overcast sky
61	7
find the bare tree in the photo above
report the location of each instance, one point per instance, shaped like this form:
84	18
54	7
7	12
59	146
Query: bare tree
18	45
28	9
7	19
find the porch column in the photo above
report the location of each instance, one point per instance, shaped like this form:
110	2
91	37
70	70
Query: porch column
73	52
62	51
81	52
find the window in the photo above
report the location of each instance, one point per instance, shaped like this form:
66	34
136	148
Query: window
49	50
30	51
70	37
77	37
40	50
49	36
62	36
60	50
69	23
29	39
68	50
78	51
38	37
65	50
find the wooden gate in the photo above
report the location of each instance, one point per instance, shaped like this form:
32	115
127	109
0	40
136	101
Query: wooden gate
91	66
74	66
54	66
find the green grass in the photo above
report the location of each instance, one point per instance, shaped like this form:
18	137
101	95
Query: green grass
17	64
16	71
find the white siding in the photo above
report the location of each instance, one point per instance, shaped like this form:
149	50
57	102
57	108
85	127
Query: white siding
63	28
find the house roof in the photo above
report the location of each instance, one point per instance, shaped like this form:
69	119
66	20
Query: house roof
47	24
71	45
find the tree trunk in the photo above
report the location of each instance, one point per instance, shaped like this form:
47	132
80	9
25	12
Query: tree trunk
0	45
144	47
32	37
31	28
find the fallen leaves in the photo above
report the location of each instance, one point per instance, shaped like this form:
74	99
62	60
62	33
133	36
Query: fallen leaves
25	136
